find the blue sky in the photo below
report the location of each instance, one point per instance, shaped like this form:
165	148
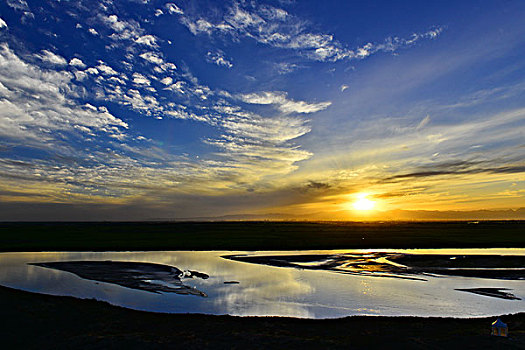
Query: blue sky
154	109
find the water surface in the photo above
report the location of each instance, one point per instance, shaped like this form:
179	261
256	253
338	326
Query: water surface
263	289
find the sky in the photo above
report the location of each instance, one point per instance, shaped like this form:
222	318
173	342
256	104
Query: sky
317	110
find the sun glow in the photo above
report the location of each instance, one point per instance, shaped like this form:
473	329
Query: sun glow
363	203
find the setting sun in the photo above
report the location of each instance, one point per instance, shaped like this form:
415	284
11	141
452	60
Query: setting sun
363	203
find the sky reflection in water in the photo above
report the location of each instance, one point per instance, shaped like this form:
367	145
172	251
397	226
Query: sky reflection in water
269	290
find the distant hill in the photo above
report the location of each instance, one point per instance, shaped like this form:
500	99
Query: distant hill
394	215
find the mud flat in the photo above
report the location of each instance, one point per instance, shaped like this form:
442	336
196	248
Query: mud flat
399	265
492	292
149	277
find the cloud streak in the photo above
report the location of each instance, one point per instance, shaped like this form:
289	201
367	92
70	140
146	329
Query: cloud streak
459	168
277	28
282	102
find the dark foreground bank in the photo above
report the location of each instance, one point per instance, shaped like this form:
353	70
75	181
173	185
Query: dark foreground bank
104	236
31	321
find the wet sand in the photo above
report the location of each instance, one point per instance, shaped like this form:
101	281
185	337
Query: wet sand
398	265
492	292
149	277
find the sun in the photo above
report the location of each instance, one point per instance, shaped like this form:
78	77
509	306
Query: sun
362	203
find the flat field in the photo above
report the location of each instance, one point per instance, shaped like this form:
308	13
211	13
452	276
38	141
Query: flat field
115	236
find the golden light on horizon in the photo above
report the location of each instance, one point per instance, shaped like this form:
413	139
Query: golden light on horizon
363	203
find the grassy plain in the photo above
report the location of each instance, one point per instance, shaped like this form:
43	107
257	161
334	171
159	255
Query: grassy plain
101	236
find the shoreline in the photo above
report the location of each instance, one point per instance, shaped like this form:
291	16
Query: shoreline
518	314
38	321
68	322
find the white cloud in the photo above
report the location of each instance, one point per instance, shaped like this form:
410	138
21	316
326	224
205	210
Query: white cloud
265	130
199	26
77	62
263	98
218	58
124	30
240	18
282	102
140	79
51	58
2	24
182	113
273	13
34	107
179	87
168	65
275	27
117	80
134	98
259	147
286	67
173	9
148	40
92	31
92	71
303	107
80	75
166	81
423	122
84	129
105	69
152	58
114	23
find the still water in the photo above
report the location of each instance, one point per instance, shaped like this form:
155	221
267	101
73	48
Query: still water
253	289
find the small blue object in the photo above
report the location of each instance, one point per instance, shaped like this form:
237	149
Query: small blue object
499	328
499	323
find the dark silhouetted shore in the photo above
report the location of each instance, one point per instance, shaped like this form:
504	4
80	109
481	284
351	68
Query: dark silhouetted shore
34	321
